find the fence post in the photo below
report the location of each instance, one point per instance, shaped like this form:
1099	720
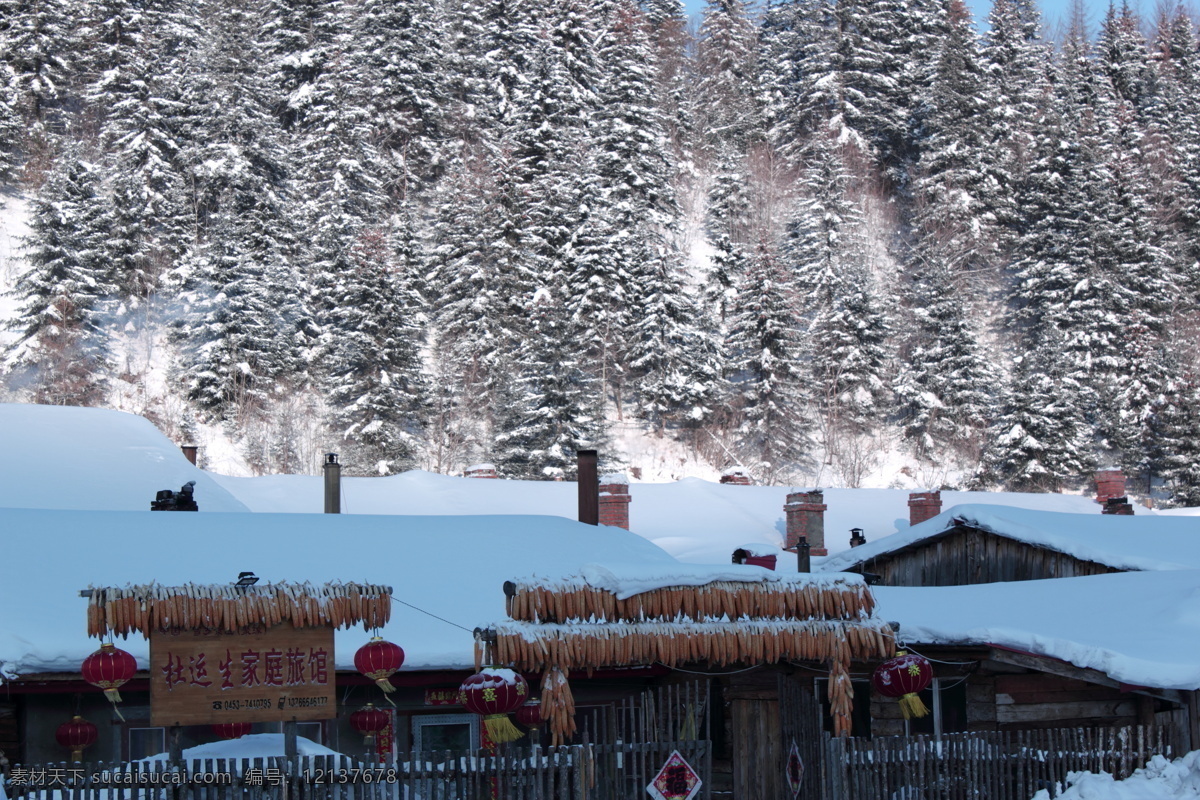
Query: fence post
835	766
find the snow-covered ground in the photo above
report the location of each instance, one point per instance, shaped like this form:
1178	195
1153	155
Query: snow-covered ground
1159	780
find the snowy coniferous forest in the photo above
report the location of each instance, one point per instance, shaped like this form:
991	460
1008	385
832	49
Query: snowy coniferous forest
804	238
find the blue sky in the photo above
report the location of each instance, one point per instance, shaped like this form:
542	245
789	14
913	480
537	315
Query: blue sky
1052	10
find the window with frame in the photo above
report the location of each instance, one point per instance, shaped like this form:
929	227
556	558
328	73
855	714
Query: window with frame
946	699
860	713
445	732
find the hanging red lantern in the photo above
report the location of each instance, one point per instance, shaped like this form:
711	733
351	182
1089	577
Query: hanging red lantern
493	693
904	676
231	730
109	668
377	660
75	735
529	715
369	721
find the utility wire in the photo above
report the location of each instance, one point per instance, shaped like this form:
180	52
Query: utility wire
435	616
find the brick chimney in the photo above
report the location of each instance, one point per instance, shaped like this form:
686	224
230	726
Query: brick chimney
1119	506
738	476
923	506
614	500
1110	482
806	518
480	471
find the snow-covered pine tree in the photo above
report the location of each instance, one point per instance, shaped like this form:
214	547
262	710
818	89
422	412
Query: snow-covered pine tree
1040	442
559	406
376	391
945	391
244	333
405	85
951	222
771	405
10	125
68	290
1015	59
847	329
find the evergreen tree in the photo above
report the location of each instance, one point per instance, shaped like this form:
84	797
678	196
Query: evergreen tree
952	221
559	406
376	390
10	125
1039	442
68	289
769	386
944	390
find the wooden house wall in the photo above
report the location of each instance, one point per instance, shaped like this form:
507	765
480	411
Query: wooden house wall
970	556
1027	700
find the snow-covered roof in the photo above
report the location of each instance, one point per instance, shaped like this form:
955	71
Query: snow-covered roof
451	567
1139	628
1141	542
57	457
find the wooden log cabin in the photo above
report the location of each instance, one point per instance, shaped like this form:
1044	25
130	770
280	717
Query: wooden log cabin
1009	654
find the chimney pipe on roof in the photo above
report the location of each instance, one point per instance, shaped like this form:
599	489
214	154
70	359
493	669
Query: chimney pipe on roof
333	484
189	452
857	537
589	487
923	506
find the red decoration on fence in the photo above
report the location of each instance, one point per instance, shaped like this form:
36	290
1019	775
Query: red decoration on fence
109	668
231	730
530	715
369	721
377	660
493	693
904	676
75	735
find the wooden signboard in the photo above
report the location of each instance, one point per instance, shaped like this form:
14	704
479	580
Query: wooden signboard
283	673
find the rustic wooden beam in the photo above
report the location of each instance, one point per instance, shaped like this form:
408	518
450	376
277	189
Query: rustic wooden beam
1055	666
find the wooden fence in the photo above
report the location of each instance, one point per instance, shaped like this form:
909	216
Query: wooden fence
554	773
1004	765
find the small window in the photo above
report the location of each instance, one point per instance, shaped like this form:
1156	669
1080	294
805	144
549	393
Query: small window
860	712
946	699
445	732
145	742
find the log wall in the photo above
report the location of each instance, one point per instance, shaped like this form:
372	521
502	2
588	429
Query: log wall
967	556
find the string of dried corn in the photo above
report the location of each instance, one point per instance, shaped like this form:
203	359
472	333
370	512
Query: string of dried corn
121	611
531	646
558	706
712	601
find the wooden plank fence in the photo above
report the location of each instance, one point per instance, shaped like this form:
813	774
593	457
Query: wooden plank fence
997	765
553	773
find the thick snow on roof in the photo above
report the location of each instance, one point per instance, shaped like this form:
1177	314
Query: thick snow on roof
57	457
695	520
92	458
451	567
1143	541
1137	627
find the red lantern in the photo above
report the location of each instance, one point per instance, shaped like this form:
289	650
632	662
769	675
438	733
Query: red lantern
377	660
109	668
231	730
530	715
493	693
904	676
75	735
369	721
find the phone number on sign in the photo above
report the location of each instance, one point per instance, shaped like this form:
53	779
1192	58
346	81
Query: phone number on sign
352	775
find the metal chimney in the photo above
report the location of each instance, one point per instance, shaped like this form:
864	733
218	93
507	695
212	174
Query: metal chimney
589	487
333	484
